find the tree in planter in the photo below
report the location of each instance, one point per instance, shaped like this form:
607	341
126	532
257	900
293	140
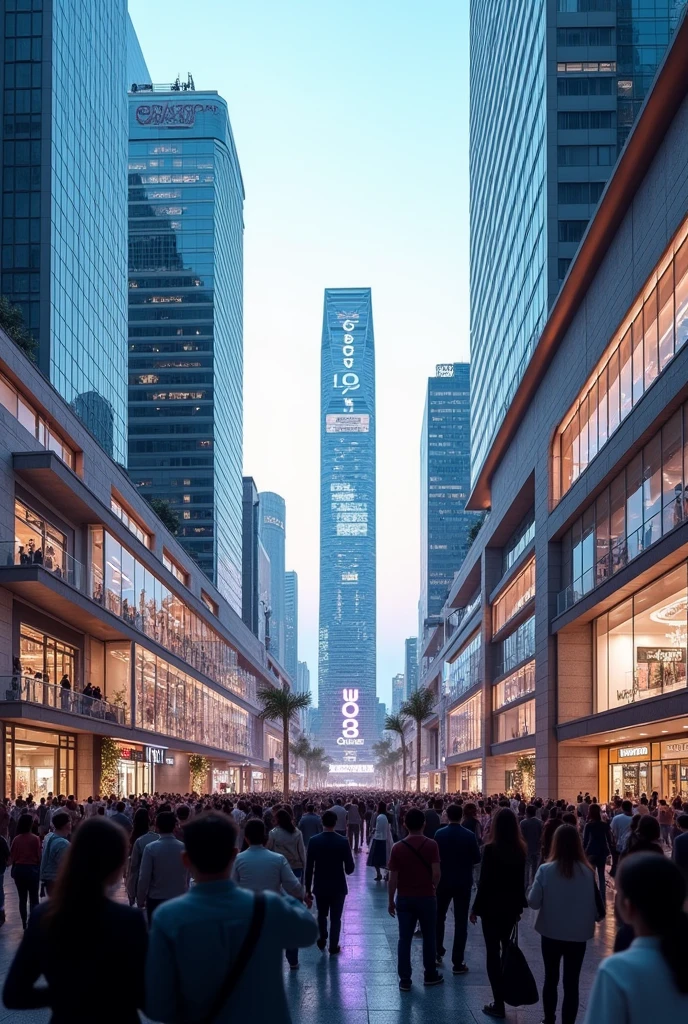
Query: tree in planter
396	723
419	706
199	766
109	762
525	766
283	706
167	515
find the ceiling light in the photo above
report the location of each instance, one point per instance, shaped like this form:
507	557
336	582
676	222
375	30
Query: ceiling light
665	730
643	734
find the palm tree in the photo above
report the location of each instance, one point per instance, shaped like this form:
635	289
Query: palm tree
301	750
283	706
396	723
419	706
393	759
382	750
314	758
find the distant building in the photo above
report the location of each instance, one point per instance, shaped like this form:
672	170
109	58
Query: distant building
398	683
303	685
250	541
272	535
411	673
380	716
291	623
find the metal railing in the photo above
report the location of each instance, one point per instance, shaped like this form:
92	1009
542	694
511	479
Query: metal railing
30	690
54	560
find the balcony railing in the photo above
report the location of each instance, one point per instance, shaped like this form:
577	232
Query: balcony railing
58	562
454	621
30	690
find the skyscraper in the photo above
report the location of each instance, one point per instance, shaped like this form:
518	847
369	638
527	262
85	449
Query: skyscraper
411	666
445	470
272	535
303	678
63	229
347	653
291	623
185	321
398	684
255	563
576	73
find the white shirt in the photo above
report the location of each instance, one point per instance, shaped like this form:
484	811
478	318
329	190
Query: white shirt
382	828
259	869
620	826
618	998
341	817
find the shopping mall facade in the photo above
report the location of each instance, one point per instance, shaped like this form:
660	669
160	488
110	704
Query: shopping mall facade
560	659
93	588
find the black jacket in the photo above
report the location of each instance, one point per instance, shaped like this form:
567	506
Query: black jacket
119	936
501	892
329	855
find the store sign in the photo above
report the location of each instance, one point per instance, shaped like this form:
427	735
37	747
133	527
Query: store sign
169	760
350	711
666	655
155	755
130	754
641	751
352	769
674	747
171	115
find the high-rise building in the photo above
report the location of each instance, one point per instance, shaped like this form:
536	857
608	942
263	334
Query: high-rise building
264	592
272	534
63	229
347	653
255	589
411	666
577	72
398	684
445	472
380	716
302	682
185	321
291	623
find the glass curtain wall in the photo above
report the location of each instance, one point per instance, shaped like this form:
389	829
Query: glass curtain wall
465	670
466	726
516	685
514	597
516	723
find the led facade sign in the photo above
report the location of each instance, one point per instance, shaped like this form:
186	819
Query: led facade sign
171	115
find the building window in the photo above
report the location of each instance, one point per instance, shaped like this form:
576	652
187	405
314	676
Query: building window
208	602
655	329
640	645
466	726
574	120
518	647
515	686
23	411
585	66
573	192
514	597
175	569
518	541
39	762
585	6
585	86
45	657
515	723
572	230
586	156
38	542
465	671
130	522
599	36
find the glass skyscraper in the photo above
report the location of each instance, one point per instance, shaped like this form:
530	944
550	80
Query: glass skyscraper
291	623
272	518
410	666
555	86
347	653
64	230
445	470
186	321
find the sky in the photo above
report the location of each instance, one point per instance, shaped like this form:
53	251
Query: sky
351	125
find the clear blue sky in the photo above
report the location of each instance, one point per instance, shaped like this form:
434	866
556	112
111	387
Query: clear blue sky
351	124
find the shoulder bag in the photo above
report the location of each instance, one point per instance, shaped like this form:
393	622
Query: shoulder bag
518	983
428	867
239	966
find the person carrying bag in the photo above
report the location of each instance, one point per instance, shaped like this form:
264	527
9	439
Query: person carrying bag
518	984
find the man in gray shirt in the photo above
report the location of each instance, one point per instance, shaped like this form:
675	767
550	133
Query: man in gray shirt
162	875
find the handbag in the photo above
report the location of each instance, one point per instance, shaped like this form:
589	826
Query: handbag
239	966
518	983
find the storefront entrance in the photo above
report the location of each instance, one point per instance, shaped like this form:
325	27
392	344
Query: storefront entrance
646	767
134	770
39	762
630	781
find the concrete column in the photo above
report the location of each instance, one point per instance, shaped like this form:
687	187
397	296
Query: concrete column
578	771
574	673
87	765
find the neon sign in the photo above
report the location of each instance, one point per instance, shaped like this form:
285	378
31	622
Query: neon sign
171	115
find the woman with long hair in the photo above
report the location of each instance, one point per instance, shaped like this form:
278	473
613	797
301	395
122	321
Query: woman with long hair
651	893
501	897
25	857
598	843
142	834
381	845
563	893
79	919
285	838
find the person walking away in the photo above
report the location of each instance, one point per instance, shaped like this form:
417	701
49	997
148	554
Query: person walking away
665	817
121	817
414	872
162	874
198	939
531	830
55	846
563	893
651	894
342	817
25	855
680	849
142	834
68	928
432	818
621	824
329	859
263	870
501	897
459	853
310	824
369	816
4	860
598	843
354	825
381	845
286	839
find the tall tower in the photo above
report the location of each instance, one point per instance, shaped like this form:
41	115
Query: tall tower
186	231
410	666
291	623
273	512
577	73
347	652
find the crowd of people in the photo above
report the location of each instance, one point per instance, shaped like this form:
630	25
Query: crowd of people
219	887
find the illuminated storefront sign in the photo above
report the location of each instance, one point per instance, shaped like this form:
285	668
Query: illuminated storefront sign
641	751
171	115
350	712
352	769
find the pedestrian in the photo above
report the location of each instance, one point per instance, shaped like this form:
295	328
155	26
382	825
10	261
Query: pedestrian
25	855
142	834
286	839
263	870
4	861
342	817
329	859
55	846
310	824
162	874
459	853
414	872
381	845
598	843
121	817
531	830
621	824
69	928
216	953
680	849
500	898
665	817
563	893
651	896
354	825
433	820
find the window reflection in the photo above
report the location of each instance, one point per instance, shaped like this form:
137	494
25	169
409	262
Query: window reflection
465	726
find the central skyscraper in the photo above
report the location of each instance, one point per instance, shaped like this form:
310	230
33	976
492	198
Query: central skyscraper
346	659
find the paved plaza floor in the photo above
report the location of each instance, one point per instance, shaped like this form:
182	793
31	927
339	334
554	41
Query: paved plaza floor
360	986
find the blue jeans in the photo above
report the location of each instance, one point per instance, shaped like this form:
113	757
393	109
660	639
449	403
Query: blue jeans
412	910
